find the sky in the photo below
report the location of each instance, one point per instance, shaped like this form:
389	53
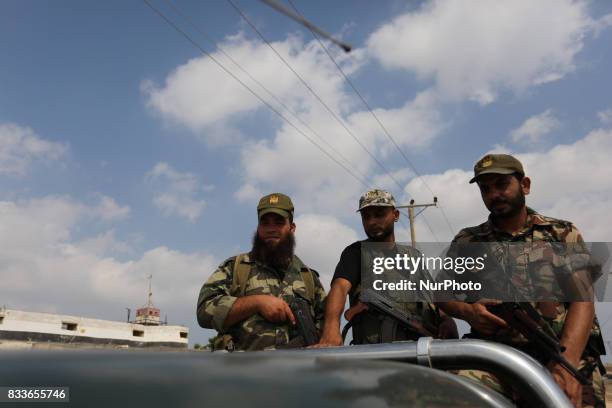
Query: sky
126	151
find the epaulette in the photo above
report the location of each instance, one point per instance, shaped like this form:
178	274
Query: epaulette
557	221
306	268
232	259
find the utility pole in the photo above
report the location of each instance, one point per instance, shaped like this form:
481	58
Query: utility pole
412	216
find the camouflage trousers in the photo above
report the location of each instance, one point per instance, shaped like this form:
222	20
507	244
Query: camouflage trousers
593	396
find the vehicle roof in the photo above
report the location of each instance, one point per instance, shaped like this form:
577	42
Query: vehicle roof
108	378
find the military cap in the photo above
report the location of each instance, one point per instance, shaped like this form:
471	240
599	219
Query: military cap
275	203
378	198
497	164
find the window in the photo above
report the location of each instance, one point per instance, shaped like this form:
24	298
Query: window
137	333
69	326
183	335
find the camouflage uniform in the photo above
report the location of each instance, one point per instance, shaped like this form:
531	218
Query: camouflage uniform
256	333
537	228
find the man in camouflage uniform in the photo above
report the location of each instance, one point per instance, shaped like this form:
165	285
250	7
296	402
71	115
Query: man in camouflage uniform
378	216
503	186
247	299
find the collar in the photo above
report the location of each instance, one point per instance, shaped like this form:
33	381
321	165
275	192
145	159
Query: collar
534	219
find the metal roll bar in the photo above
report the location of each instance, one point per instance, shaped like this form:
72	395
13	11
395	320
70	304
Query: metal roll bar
525	373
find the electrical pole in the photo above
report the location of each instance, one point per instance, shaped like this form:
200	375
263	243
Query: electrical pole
412	216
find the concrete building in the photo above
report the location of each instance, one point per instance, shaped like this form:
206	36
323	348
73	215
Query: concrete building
32	327
19	329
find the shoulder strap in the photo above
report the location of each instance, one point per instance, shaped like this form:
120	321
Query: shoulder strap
308	281
240	275
307	278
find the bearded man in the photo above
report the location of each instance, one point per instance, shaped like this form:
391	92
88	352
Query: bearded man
503	186
247	299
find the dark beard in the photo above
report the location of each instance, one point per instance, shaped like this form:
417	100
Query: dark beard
386	233
515	206
278	257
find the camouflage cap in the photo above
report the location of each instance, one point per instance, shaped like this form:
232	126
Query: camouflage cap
275	203
497	164
378	198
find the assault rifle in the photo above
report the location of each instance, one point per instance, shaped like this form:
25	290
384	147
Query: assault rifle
305	323
526	320
410	321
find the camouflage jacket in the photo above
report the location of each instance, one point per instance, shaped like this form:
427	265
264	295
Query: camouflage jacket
537	228
256	333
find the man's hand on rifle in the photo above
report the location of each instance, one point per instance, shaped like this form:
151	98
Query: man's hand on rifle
447	328
274	309
482	320
354	311
567	382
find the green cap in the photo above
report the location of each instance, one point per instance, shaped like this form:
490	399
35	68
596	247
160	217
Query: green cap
275	203
497	164
376	198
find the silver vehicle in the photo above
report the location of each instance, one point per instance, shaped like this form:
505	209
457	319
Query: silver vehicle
406	374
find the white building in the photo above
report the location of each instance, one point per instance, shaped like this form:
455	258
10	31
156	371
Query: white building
20	326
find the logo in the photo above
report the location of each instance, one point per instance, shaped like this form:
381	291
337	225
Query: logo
274	199
371	194
486	162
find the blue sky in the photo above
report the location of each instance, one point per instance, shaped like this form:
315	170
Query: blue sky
124	151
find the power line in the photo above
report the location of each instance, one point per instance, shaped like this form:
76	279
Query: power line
209	39
331	112
369	108
266	90
276	111
204	52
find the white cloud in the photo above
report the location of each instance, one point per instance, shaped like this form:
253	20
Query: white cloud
177	193
605	116
414	124
459	200
43	269
320	240
475	49
277	164
107	209
387	181
105	244
285	160
535	127
199	94
39	221
569	182
20	147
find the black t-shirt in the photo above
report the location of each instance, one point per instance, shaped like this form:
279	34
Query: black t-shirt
349	268
349	265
